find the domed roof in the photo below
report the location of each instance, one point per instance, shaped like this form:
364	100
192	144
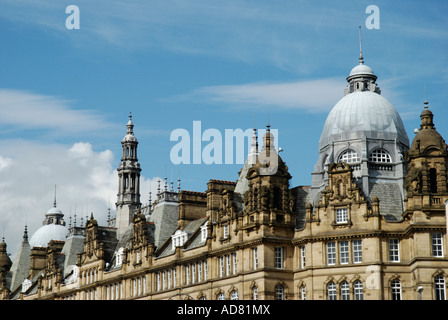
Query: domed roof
427	138
361	69
46	233
363	113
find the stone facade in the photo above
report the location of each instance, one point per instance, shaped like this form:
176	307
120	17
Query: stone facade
260	238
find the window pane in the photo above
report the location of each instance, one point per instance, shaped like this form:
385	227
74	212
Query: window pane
349	156
357	251
331	253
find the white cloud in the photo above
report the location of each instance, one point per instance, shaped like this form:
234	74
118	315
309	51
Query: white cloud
310	95
86	182
20	109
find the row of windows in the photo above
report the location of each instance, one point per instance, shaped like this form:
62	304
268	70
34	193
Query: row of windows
343	247
344	291
377	156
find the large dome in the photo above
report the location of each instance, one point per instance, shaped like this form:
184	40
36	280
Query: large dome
46	233
363	114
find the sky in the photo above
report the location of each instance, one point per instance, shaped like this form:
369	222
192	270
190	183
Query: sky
66	93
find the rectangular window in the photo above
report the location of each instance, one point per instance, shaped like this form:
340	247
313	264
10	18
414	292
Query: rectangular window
199	271
341	215
193	272
226	231
221	266
234	263
205	270
343	252
278	257
227	264
357	251
174	277
437	247
255	256
187	272
158	281
394	250
331	253
302	257
163	281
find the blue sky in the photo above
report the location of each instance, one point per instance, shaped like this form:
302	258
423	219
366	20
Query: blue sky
65	95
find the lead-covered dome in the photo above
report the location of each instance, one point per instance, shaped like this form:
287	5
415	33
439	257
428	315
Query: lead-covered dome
46	233
363	114
53	228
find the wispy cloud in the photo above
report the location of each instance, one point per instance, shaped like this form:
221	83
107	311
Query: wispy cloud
309	95
26	110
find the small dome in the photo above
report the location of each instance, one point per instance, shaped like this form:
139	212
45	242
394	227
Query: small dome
363	113
54	210
361	69
46	233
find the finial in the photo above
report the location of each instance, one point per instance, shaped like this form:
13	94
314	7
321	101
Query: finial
54	202
426	101
178	182
268	125
130	125
361	58
25	234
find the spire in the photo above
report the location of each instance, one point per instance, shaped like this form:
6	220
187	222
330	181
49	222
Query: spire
54	202
25	234
361	58
426	101
130	125
178	182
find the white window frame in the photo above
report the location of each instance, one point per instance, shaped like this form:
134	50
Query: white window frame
302	257
255	256
345	291
344	252
380	156
358	290
439	288
349	156
394	250
357	251
341	215
331	291
437	245
331	253
225	231
395	287
278	257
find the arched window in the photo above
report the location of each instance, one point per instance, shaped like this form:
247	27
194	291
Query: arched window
279	292
380	156
345	291
221	296
331	291
349	156
255	293
358	290
439	286
234	295
395	287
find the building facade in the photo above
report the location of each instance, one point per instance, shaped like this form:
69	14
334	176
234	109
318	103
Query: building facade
372	226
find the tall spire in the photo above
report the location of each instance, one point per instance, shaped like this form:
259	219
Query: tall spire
361	58
54	202
130	125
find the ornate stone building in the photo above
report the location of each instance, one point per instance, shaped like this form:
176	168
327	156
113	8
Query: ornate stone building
371	226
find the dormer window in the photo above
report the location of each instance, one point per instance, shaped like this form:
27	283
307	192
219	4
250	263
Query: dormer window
380	156
119	257
204	231
349	156
179	238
